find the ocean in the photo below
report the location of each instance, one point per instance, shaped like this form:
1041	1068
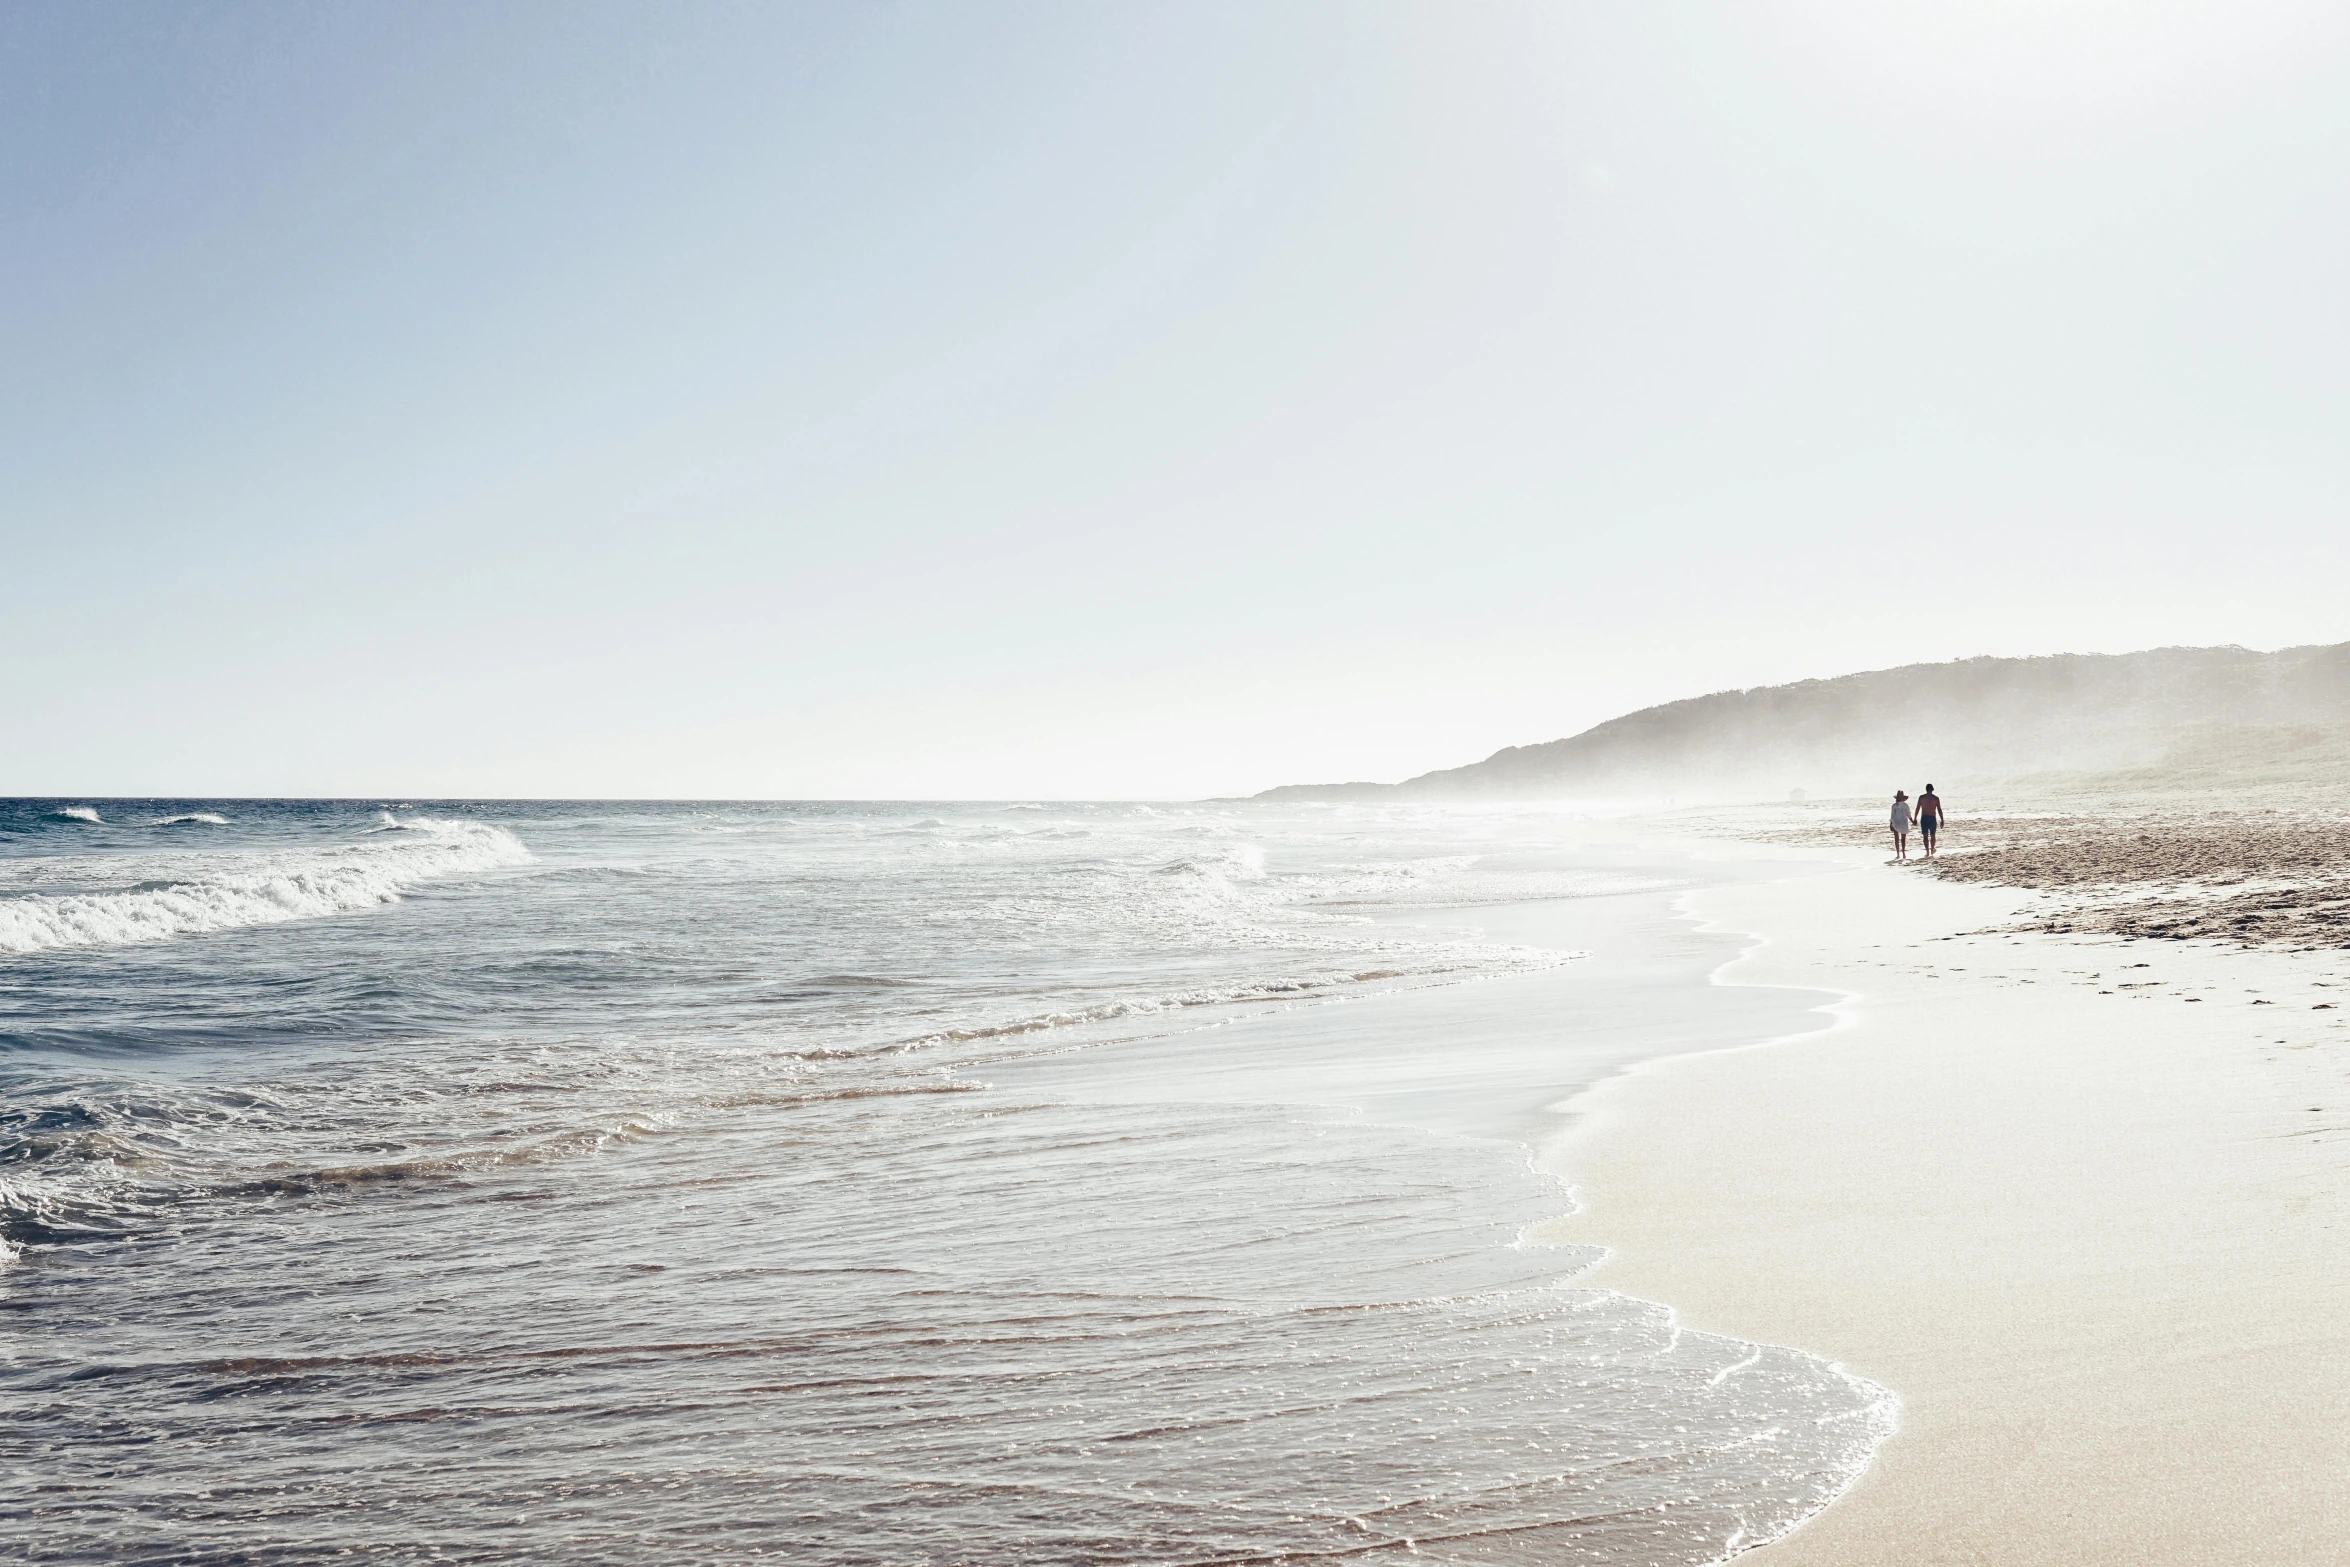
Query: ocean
857	1184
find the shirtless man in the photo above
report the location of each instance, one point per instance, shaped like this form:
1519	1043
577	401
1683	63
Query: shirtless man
1929	818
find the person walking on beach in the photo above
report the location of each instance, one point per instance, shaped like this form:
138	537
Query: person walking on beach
1901	824
1929	818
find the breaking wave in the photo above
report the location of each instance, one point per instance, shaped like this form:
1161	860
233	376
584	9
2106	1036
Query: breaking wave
195	894
77	813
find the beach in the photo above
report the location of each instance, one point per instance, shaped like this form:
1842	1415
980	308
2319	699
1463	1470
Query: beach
2076	1198
1164	1185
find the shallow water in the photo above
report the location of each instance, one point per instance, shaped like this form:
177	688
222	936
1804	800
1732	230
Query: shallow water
846	1184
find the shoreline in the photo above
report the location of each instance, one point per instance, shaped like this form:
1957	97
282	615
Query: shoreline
2083	1236
1493	1061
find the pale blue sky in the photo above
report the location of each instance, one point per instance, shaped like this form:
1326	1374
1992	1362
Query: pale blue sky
1158	400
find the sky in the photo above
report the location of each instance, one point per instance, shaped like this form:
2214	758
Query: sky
1027	400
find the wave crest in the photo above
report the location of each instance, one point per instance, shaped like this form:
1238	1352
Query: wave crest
230	891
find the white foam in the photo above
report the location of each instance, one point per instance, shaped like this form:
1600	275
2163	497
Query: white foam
1239	862
192	818
78	813
228	891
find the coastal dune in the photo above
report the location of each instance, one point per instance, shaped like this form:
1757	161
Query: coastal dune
2080	1200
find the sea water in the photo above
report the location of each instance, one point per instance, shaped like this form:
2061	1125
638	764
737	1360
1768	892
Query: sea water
848	1184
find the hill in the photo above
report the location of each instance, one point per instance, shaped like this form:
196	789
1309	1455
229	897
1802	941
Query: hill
2169	715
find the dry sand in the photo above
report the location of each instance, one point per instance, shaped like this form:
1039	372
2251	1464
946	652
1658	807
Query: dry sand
2080	1199
2266	866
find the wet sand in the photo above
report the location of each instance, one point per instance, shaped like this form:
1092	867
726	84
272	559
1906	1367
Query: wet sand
2081	1199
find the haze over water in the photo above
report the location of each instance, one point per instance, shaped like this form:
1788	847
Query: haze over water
586	1183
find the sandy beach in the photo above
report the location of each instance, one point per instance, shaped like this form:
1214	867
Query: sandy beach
2077	1197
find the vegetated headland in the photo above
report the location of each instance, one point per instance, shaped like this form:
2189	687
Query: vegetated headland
2173	717
2188	793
